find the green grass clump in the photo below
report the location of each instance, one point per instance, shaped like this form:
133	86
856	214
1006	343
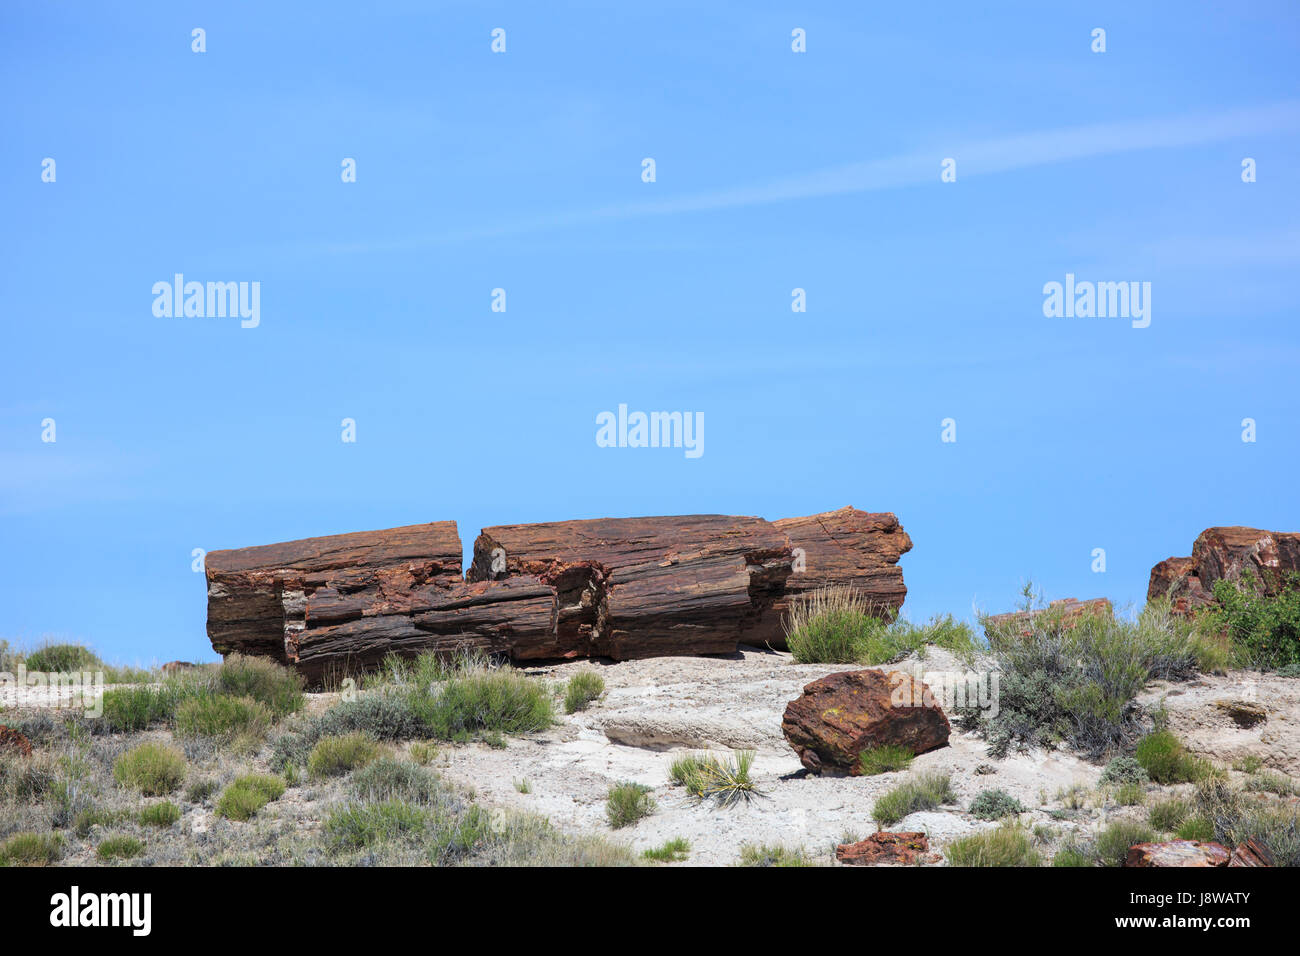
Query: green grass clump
119	848
481	699
159	814
31	849
1114	841
1166	760
63	658
995	804
335	756
272	685
1236	818
755	854
839	625
129	710
583	688
887	758
357	825
389	779
1168	815
671	851
1123	770
1130	795
1272	783
1196	828
706	775
84	820
222	717
1008	845
200	790
154	769
247	794
627	803
926	791
1264	631
1073	853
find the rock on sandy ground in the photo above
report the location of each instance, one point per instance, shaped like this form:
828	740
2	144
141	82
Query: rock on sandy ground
655	710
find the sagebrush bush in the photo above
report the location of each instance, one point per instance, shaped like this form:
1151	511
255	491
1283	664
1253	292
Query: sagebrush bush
1165	759
63	658
995	804
583	688
335	756
222	717
247	794
119	847
1264	630
627	803
1008	845
924	791
31	849
154	769
1123	770
885	759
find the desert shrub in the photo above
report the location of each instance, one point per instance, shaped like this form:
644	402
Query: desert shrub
247	794
357	825
389	779
1075	853
994	805
1289	670
85	820
706	775
1168	815
199	790
222	717
154	769
1235	819
1165	759
1074	681
159	814
627	803
423	752
1272	783
671	851
31	849
119	848
335	756
484	699
1195	828
925	791
132	709
839	625
583	688
1130	795
1008	845
270	684
26	779
1264	631
754	854
1250	763
1123	770
63	658
1114	841
885	759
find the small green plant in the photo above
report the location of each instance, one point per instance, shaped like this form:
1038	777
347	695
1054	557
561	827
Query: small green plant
706	776
335	756
887	758
63	658
84	820
627	803
1250	763
119	848
247	794
1114	841
1074	853
995	804
1130	795
159	814
1195	828
31	849
1273	783
423	752
583	688
272	685
839	625
1264	629
222	717
671	851
389	779
154	769
1166	760
1168	815
754	854
1123	770
926	791
1008	845
199	790
523	786
132	709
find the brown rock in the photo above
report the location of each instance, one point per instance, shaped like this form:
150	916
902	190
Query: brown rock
176	667
1243	712
11	741
885	848
1251	853
1266	558
1177	853
1068	610
841	715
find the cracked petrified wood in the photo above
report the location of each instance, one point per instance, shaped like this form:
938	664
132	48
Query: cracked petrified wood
1264	558
613	587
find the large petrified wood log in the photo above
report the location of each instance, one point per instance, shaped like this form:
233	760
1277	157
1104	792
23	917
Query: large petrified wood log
1265	558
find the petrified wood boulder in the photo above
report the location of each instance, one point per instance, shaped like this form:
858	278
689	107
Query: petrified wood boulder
615	587
883	848
1265	558
841	715
1177	853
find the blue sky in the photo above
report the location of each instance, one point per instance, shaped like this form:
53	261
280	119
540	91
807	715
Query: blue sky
522	171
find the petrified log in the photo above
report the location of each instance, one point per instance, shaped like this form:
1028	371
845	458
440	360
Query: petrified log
1177	853
848	547
883	848
1265	559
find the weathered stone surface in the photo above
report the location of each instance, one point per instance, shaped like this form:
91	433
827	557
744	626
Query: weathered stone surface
841	715
1068	610
1267	558
614	587
12	742
886	848
1177	853
1251	853
1244	713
